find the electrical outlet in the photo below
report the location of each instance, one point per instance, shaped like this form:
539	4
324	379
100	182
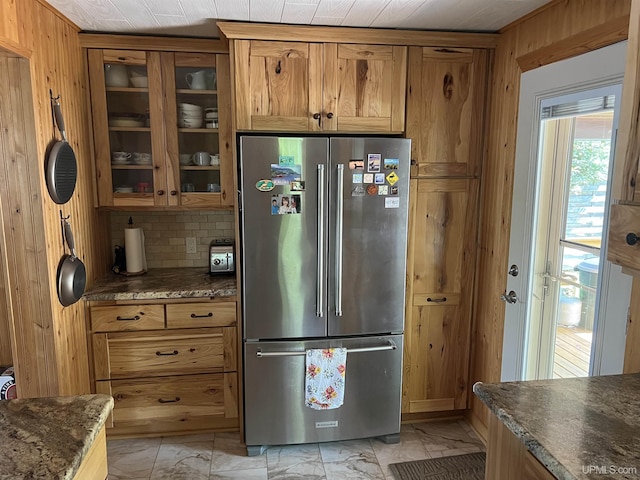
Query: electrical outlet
191	245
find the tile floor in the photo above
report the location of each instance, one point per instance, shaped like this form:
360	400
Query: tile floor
221	456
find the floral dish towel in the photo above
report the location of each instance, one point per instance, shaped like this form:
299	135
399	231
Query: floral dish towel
324	378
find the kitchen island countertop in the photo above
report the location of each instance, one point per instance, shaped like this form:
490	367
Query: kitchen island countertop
576	427
49	437
161	283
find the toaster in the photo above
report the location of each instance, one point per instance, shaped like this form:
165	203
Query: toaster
221	258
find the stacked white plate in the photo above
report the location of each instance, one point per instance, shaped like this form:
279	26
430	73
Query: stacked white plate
189	115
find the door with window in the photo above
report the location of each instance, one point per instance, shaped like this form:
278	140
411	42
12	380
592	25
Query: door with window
562	318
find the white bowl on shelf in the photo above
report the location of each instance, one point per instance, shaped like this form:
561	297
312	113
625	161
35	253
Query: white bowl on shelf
190	122
124	189
139	82
125	122
141	158
185	158
189	107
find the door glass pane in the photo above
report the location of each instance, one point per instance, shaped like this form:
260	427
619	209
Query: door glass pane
571	205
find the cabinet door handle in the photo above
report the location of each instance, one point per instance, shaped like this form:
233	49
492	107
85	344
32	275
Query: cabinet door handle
172	400
127	319
210	314
174	192
437	300
632	238
160	354
160	192
330	115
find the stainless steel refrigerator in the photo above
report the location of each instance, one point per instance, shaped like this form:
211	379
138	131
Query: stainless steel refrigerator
324	241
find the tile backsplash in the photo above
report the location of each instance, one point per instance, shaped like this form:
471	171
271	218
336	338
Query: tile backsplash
166	235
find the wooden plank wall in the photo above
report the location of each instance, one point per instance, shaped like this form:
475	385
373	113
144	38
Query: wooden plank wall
35	29
556	24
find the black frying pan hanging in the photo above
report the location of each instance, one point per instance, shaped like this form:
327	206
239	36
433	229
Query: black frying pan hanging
61	168
72	275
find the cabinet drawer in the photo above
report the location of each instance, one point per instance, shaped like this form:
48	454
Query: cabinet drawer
116	318
122	355
194	315
188	402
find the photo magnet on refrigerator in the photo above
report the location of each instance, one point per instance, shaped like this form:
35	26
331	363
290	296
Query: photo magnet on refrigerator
391	202
373	162
357	178
379	179
383	190
391	163
393	190
284	175
297	186
367	178
356	164
285	204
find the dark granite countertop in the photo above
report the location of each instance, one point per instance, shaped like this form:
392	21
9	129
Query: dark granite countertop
576	427
162	283
47	438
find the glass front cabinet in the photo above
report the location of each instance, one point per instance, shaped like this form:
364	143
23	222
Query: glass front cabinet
162	133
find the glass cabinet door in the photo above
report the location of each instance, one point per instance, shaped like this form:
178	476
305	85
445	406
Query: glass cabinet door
127	127
195	138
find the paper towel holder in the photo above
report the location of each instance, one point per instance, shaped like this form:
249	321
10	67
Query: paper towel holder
126	272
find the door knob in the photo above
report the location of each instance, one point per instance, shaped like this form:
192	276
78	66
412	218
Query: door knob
510	297
632	238
514	271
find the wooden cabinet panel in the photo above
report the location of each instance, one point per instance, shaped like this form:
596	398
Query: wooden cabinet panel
368	92
127	317
442	249
196	315
445	111
173	404
272	85
440	270
624	220
154	354
437	347
300	87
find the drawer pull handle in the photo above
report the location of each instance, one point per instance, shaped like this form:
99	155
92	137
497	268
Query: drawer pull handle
173	400
127	319
210	314
437	300
632	238
160	354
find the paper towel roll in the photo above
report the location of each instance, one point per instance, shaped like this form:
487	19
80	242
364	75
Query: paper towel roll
134	250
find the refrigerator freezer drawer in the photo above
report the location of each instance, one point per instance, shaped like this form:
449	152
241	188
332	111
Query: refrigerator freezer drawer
275	411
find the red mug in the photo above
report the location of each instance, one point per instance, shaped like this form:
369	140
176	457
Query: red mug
143	187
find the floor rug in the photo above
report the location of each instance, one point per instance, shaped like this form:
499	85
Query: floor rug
460	467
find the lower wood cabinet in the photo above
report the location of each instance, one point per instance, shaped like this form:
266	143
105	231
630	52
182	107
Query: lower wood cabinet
170	367
440	269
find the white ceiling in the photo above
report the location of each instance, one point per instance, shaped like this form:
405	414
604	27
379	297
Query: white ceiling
198	17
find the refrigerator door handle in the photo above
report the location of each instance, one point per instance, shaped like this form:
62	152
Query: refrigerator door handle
320	244
295	353
339	225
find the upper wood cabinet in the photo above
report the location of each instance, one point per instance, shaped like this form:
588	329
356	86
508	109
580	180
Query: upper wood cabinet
313	87
446	109
143	145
